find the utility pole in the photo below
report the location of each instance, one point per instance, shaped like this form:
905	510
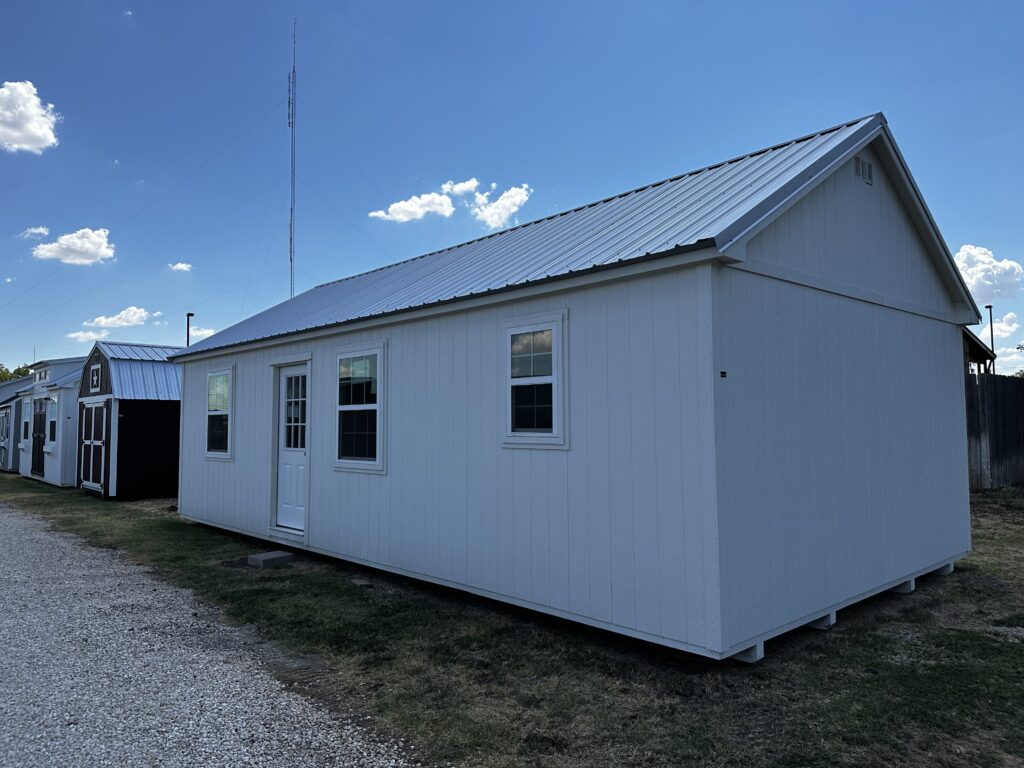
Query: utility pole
291	124
188	327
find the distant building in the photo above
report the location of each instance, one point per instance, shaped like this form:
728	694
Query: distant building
129	411
49	421
701	413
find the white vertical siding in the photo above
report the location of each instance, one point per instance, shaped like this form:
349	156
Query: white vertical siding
616	530
858	236
841	427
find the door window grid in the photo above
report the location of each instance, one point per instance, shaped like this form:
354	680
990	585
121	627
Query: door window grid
295	412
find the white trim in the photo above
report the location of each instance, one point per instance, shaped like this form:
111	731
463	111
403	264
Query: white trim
99	377
111	440
219	455
299	357
558	437
559	285
282	372
379	349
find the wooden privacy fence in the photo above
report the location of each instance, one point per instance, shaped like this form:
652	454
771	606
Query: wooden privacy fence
995	429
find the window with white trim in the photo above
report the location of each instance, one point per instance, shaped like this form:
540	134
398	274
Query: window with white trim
534	410
51	416
218	412
94	378
360	409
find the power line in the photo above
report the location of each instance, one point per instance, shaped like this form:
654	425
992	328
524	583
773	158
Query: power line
345	218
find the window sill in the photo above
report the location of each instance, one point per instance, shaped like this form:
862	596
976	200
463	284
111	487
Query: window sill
49	449
529	441
218	457
371	468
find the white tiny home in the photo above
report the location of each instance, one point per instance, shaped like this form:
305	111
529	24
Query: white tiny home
49	421
666	413
10	423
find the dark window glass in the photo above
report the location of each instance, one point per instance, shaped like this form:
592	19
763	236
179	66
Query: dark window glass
531	354
217	433
357	380
53	431
531	408
295	412
97	458
357	435
24	431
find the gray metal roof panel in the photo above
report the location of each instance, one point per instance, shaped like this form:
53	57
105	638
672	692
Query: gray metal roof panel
145	380
117	350
684	211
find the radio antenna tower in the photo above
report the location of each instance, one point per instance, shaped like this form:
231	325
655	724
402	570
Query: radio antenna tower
292	105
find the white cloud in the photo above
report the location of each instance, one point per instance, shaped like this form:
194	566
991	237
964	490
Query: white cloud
416	207
129	13
1002	328
128	317
33	233
460	188
180	266
497	214
86	246
84	336
1009	360
26	123
158	313
988	278
201	333
8	279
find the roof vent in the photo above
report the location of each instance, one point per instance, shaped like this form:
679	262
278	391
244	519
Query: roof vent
864	170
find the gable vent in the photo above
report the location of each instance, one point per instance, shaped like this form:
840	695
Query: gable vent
864	170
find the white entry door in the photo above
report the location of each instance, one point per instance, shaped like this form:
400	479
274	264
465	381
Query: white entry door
292	460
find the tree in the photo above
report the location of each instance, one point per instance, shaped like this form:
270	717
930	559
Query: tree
7	374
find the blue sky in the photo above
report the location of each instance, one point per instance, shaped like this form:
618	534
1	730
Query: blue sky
172	135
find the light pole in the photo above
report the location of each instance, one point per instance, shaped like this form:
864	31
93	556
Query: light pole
188	327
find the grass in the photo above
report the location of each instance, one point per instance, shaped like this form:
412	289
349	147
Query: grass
931	679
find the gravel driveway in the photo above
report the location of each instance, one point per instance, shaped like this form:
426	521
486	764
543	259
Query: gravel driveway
103	664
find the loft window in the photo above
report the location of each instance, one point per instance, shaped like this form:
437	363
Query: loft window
218	413
534	385
360	409
94	378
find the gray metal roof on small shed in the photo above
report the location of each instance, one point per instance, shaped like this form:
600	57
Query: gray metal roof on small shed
142	371
714	206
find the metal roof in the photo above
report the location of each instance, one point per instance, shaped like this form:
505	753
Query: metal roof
145	380
117	350
142	371
9	389
67	380
713	206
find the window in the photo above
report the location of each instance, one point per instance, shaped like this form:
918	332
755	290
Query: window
218	413
51	415
295	411
360	404
535	387
24	430
94	378
43	375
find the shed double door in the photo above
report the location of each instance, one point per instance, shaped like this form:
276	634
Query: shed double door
38	435
292	460
92	443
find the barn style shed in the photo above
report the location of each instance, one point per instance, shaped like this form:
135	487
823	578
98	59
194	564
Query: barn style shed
666	413
129	413
10	423
49	421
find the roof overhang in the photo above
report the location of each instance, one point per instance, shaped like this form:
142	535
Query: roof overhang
732	241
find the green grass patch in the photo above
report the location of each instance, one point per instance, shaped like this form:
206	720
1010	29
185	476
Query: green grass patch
934	678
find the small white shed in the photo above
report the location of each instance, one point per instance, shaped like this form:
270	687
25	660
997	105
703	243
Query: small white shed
49	421
666	413
10	423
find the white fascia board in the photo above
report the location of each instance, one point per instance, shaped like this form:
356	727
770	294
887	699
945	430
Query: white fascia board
732	240
562	284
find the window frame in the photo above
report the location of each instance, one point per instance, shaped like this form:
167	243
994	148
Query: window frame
52	436
379	465
219	455
99	378
558	437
